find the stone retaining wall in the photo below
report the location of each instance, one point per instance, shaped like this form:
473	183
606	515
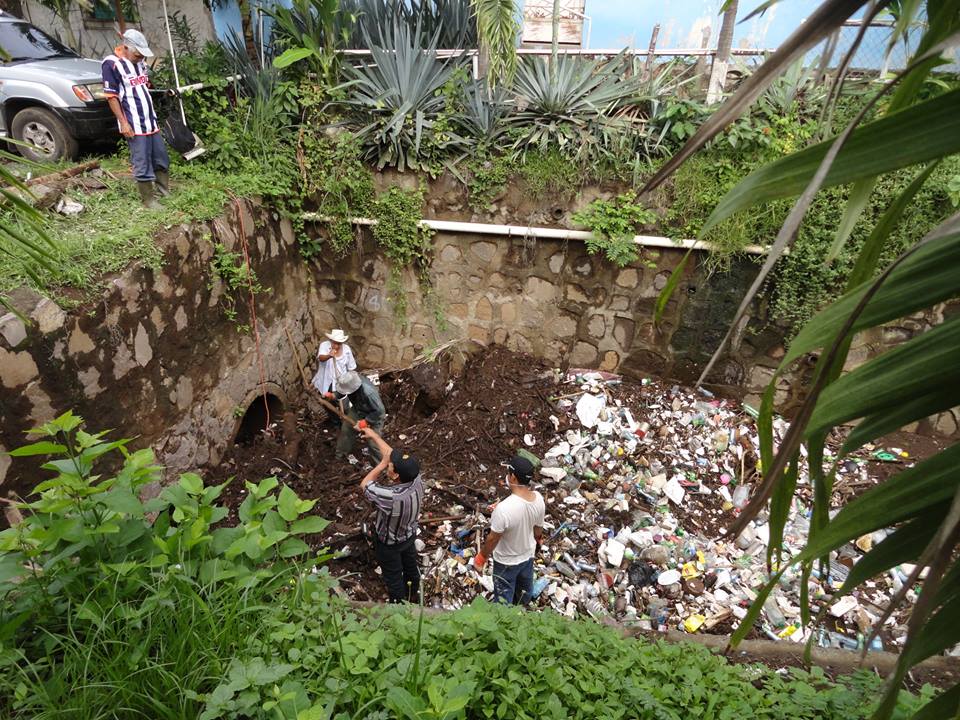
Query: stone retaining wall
156	356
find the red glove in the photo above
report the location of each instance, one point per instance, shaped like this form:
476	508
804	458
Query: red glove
329	396
479	561
362	425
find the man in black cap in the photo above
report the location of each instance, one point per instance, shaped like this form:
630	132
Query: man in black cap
398	511
515	531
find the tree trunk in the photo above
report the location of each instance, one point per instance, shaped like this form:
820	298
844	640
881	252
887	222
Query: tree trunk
246	22
118	11
718	73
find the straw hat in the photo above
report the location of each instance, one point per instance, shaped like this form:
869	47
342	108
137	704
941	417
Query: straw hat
337	336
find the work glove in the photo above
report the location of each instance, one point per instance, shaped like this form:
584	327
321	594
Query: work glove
329	396
362	425
479	561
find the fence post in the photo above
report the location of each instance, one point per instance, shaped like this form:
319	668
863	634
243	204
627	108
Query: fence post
651	49
702	59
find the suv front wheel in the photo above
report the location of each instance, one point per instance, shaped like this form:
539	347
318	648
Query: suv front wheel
47	138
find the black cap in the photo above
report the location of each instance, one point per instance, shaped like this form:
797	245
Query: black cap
405	465
522	469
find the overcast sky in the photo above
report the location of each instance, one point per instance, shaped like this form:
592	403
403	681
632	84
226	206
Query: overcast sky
619	23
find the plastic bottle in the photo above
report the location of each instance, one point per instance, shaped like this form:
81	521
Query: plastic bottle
539	585
741	496
774	615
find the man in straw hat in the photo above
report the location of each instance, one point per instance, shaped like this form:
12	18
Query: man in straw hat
335	358
127	87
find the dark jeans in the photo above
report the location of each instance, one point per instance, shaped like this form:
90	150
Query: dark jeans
398	564
513	584
148	153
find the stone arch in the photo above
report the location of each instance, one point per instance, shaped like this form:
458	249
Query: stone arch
263	406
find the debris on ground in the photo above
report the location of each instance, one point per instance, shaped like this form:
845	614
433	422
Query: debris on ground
639	478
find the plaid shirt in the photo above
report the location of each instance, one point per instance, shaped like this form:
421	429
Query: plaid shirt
398	509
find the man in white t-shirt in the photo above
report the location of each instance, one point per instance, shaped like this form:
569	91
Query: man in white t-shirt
335	358
515	531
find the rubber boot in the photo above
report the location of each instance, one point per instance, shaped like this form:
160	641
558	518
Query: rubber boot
146	194
162	182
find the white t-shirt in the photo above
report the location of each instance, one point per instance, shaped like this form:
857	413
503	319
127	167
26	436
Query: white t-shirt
515	519
326	378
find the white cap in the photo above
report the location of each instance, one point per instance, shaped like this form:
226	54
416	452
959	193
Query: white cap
135	40
349	382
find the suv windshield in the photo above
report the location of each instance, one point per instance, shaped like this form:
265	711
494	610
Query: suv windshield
22	41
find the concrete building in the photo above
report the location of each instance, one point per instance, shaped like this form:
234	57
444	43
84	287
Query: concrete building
93	27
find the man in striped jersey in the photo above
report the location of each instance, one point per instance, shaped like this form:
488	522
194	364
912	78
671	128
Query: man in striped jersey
126	85
398	512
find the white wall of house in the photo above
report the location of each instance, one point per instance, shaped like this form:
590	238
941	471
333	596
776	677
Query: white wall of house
97	38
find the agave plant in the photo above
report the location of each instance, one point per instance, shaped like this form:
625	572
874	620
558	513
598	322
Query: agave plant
484	112
574	107
451	21
919	378
24	242
398	96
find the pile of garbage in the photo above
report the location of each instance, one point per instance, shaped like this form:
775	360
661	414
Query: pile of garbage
638	489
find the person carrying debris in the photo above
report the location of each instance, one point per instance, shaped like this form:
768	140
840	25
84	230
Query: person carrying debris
363	403
398	512
515	531
126	85
335	358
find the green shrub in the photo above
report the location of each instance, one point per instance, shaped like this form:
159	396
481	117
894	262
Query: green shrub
107	601
612	226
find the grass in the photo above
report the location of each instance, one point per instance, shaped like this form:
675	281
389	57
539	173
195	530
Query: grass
114	229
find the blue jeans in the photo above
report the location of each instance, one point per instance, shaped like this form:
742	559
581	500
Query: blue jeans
513	584
148	153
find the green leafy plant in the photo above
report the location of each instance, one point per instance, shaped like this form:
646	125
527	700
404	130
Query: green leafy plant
489	175
612	225
550	174
450	20
235	273
311	31
679	119
403	240
953	190
497	29
103	606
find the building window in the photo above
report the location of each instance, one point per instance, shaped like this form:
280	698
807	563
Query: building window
105	10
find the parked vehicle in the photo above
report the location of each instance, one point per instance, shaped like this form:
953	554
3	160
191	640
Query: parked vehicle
50	97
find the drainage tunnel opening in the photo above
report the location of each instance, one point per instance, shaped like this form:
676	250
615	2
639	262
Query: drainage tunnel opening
255	419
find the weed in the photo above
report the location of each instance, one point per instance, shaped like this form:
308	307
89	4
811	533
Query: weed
550	174
612	226
489	174
238	278
114	230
